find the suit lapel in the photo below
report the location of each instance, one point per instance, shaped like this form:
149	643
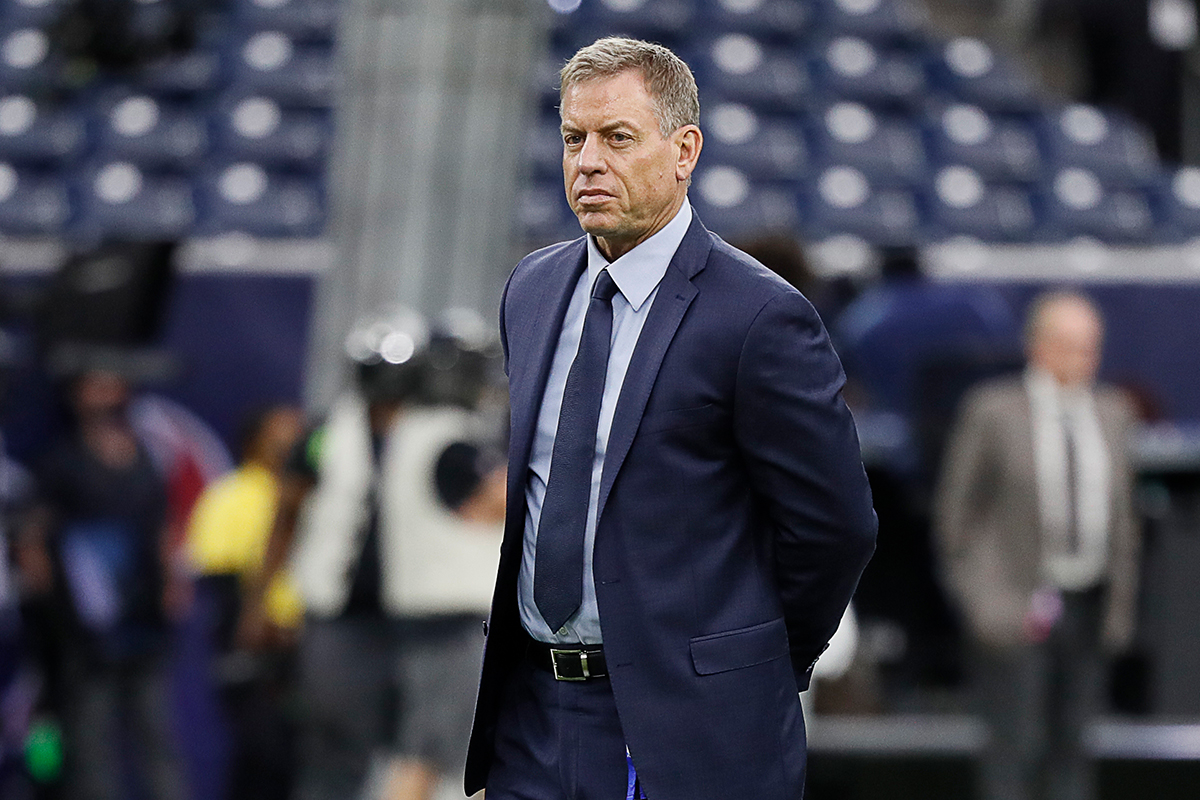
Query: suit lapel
675	295
530	365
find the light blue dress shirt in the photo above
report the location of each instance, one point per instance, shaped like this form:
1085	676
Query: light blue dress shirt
637	275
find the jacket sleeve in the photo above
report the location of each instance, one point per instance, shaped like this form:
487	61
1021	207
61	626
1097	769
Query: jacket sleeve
974	565
801	451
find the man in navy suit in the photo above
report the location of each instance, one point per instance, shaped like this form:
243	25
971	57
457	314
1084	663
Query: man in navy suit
688	514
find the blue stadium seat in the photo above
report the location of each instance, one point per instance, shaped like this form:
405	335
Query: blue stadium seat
962	204
149	133
31	13
258	129
1118	150
843	201
32	203
766	148
774	21
38	133
970	71
245	197
544	148
184	76
888	150
734	207
118	199
666	21
272	64
26	61
852	68
543	214
999	148
888	21
1178	204
303	20
742	69
1077	203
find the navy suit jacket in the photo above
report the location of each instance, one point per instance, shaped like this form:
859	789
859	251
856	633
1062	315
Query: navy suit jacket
735	519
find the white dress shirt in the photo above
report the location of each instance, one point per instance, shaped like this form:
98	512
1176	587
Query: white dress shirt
1054	409
637	275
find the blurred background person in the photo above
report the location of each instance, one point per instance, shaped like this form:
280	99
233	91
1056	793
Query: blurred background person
95	548
389	516
227	539
1035	517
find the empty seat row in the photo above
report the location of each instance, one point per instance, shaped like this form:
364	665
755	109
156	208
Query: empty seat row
138	128
783	21
955	201
270	62
773	77
118	198
903	149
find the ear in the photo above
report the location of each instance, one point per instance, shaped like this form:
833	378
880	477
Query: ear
689	140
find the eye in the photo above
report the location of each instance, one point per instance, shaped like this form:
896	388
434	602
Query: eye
572	139
620	137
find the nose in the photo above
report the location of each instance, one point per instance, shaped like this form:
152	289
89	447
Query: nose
590	159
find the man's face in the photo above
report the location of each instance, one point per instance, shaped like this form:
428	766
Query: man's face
624	179
1068	343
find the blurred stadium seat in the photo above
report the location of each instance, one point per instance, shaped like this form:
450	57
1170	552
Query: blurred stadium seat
32	203
1116	149
1078	204
543	213
30	13
732	206
998	148
969	70
962	204
1178	202
273	64
149	133
843	201
36	133
258	129
885	21
782	22
888	150
246	197
119	199
302	20
26	61
767	148
666	21
854	69
740	68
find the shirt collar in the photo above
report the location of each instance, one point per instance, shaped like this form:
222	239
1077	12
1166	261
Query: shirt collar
1045	389
640	270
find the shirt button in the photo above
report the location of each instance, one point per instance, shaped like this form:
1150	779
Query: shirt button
562	631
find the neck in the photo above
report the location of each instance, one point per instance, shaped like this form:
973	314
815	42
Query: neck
613	248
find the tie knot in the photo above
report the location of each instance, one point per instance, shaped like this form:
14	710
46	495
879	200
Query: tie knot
605	287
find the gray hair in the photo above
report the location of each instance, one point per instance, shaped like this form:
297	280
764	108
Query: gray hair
669	82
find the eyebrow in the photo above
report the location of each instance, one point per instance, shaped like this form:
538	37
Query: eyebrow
612	126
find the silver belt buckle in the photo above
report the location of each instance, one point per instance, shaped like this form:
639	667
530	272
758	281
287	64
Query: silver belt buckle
554	654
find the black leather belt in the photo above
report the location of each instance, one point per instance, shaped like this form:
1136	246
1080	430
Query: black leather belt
578	663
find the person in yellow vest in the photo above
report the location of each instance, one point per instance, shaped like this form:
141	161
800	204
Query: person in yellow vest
227	540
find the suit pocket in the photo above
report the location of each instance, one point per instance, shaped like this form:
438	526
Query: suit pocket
736	649
679	418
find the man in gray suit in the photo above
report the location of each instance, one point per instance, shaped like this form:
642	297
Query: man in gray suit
1034	515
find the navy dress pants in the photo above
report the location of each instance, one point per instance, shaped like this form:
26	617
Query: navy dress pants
557	740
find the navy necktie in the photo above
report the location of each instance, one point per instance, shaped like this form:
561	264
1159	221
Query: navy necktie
558	560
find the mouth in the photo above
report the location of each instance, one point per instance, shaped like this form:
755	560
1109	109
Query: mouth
592	197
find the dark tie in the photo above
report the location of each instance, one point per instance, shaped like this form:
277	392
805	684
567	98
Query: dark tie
1071	457
558	560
